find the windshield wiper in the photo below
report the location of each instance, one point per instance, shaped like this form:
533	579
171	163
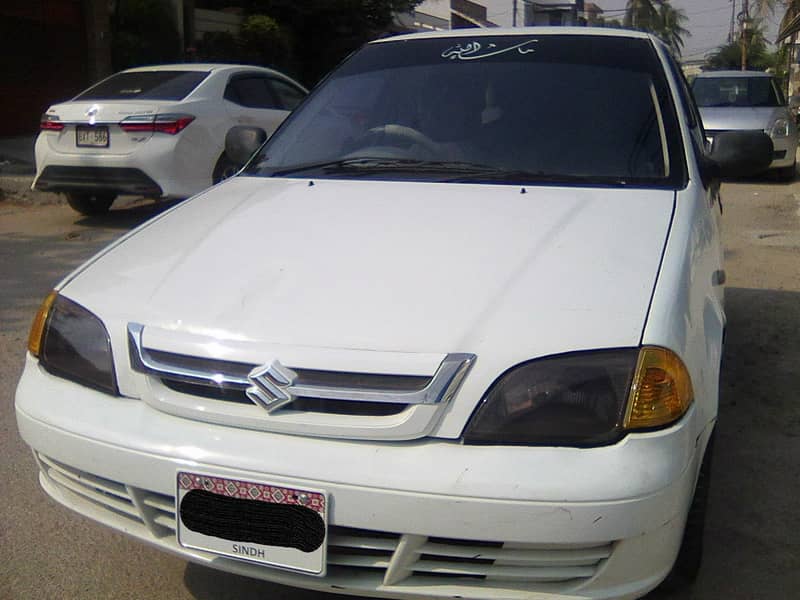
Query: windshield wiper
372	164
498	175
456	171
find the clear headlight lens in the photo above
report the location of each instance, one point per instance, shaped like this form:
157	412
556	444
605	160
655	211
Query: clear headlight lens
780	128
583	399
73	343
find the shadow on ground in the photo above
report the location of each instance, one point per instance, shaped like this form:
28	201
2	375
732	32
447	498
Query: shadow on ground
751	549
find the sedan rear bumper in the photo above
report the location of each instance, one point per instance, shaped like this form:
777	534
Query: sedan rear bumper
118	180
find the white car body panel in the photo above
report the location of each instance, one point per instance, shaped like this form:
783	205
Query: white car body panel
476	297
726	118
539	273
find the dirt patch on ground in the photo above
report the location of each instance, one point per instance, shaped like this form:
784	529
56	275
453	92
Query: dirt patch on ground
16	189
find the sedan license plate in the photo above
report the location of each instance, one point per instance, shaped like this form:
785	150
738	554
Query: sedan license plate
259	522
91	137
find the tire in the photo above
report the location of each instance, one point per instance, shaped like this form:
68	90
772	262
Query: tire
89	203
690	555
786	173
224	168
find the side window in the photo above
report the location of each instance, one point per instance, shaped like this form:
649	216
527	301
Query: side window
288	95
251	91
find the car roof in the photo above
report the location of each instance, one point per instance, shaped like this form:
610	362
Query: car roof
512	31
731	73
200	67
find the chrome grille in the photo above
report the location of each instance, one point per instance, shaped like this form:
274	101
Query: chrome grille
374	558
302	401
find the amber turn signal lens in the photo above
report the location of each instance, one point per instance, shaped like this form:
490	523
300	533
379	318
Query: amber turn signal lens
37	329
661	392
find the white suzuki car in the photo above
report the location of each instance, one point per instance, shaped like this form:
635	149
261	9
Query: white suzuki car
448	333
157	131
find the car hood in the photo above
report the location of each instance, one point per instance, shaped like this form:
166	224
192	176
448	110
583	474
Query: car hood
505	272
726	118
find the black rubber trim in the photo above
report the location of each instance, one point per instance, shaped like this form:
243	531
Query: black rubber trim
120	180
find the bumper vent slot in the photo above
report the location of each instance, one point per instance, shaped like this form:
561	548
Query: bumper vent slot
357	558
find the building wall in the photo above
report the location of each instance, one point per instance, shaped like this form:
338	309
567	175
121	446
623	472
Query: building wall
215	20
44	50
553	12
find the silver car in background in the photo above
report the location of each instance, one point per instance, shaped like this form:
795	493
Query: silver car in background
748	100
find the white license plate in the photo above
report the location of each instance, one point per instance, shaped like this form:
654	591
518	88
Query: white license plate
259	522
92	137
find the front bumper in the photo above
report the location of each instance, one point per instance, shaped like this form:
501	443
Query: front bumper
425	511
784	148
784	151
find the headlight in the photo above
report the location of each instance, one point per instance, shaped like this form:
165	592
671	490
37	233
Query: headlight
780	128
72	343
583	399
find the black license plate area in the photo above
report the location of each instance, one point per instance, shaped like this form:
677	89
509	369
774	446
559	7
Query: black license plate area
260	522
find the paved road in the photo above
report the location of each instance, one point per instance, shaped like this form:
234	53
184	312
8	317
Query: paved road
752	549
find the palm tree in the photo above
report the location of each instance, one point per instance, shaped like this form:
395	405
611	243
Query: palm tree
670	26
729	56
661	18
641	14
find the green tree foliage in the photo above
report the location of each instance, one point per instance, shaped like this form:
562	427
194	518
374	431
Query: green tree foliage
144	33
641	14
729	56
261	41
660	18
323	32
670	26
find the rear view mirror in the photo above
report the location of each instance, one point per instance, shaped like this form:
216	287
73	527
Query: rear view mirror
741	153
242	142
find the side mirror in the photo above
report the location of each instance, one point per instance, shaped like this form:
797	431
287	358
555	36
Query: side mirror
242	142
741	153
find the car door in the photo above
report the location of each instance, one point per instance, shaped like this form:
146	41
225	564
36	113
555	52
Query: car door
706	292
250	100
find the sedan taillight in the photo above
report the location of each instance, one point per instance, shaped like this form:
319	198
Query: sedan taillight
168	123
50	123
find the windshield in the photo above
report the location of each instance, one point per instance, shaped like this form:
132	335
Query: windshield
505	108
736	91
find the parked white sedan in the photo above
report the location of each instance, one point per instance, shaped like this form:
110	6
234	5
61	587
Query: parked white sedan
438	339
157	131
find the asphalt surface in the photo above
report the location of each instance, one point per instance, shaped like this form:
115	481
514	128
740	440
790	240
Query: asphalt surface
752	546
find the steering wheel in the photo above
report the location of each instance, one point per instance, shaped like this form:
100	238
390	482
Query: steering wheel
401	132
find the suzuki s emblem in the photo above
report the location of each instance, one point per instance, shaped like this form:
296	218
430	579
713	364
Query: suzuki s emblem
271	386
